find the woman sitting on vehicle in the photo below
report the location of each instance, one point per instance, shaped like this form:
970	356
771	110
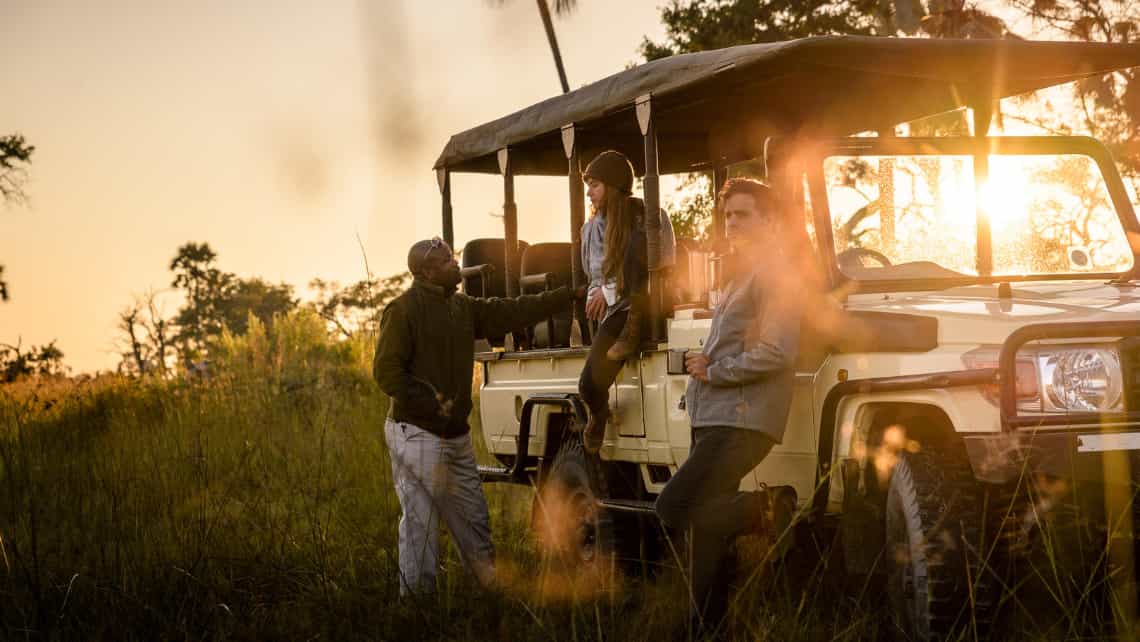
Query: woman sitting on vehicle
614	259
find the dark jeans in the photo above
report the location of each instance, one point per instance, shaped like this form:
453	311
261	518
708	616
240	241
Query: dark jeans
600	372
703	499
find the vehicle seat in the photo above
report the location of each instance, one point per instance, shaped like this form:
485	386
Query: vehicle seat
483	268
547	266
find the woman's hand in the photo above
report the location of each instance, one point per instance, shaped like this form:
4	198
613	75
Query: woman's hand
596	305
697	363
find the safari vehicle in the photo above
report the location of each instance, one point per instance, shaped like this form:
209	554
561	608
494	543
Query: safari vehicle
991	282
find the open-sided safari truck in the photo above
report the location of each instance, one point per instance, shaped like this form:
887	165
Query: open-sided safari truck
983	345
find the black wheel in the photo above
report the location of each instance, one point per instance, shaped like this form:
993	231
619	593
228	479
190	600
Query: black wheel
852	258
861	526
935	579
570	524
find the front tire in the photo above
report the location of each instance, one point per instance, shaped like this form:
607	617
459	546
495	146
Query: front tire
933	538
571	525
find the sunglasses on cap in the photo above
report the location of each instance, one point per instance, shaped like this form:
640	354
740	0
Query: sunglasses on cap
435	242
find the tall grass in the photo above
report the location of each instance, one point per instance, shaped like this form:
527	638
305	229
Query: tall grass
238	502
256	501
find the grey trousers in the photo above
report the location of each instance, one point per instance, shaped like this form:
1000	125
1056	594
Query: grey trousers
437	477
703	500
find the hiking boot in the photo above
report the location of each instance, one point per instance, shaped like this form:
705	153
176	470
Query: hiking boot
781	514
760	522
595	430
782	506
773	509
629	339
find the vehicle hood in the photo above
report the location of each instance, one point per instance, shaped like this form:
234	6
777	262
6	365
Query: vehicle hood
975	314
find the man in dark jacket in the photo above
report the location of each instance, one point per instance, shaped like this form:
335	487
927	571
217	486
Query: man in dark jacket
424	361
739	395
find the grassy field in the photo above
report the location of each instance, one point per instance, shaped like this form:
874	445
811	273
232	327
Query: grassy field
257	503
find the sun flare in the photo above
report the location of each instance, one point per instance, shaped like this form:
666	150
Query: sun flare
1005	196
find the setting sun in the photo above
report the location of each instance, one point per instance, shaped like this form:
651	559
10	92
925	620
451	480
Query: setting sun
1006	197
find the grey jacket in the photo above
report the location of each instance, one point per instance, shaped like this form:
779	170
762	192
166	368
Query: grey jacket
752	351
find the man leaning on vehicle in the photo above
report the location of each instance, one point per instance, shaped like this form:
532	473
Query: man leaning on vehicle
424	362
739	394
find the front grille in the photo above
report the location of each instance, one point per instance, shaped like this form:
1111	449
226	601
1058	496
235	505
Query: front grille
1130	362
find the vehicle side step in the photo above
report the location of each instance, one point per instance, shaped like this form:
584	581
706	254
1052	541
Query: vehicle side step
628	505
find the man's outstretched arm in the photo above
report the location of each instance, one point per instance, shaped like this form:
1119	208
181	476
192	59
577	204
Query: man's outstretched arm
495	317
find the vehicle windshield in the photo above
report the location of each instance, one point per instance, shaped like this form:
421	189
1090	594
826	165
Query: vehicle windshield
914	217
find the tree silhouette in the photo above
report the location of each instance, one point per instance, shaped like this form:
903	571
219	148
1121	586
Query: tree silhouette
38	361
256	297
205	287
15	157
699	25
146	337
1107	106
356	307
217	300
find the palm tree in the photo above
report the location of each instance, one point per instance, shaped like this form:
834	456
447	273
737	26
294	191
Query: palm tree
944	19
561	7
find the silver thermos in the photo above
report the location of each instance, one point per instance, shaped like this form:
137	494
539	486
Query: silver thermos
715	276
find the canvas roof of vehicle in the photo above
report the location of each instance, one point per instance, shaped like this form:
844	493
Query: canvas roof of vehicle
716	107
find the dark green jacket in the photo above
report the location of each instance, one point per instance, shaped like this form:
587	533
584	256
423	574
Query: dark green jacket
426	352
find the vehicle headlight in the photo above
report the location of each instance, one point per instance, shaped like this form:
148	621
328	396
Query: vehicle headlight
1059	378
1081	379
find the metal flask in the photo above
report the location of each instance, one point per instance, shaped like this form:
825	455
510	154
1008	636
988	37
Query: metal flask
715	276
698	273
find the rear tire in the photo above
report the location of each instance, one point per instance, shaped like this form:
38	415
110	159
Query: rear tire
935	580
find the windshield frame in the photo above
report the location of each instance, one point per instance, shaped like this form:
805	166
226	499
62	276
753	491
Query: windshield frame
815	154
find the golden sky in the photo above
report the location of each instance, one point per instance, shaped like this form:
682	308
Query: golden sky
275	131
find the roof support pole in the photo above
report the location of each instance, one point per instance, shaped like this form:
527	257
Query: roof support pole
577	219
510	225
443	177
720	175
645	120
983	114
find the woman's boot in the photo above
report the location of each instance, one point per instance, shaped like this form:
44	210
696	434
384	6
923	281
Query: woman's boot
595	430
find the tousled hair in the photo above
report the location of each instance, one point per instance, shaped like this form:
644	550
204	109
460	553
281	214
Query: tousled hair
763	193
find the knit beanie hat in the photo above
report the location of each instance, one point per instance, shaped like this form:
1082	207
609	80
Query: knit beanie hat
613	169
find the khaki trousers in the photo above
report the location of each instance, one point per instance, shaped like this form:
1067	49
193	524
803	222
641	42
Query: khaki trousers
437	477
